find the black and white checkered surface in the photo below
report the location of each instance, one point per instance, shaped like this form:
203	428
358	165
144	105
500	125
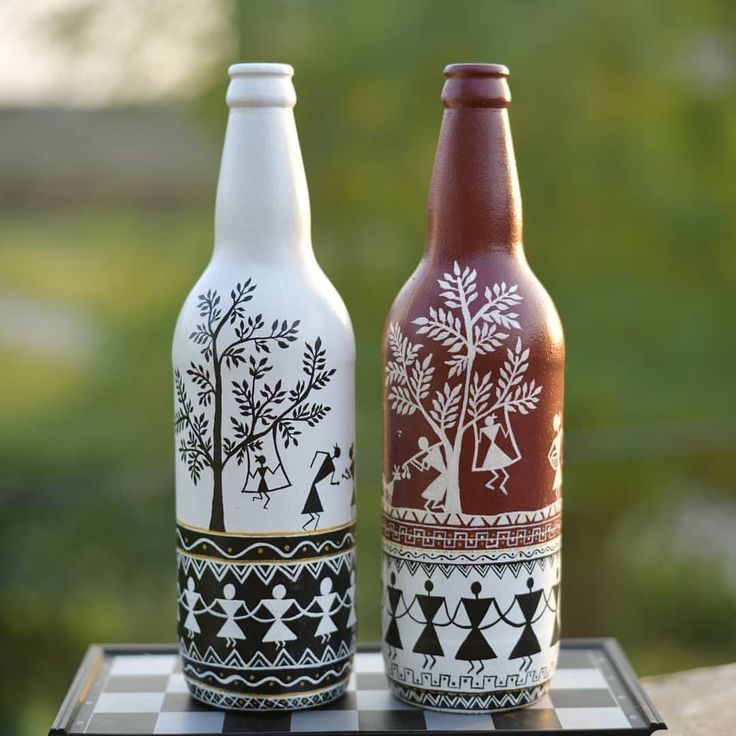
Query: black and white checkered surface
142	691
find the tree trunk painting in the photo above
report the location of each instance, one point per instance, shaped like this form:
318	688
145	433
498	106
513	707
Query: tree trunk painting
465	401
230	339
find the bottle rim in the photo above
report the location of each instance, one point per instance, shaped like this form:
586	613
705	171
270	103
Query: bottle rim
260	69
476	71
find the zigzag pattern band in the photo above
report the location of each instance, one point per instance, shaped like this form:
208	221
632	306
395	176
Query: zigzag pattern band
259	621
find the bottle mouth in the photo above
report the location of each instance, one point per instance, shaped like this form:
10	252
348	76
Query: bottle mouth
261	85
260	70
476	85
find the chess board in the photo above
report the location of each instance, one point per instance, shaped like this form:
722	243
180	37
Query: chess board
140	690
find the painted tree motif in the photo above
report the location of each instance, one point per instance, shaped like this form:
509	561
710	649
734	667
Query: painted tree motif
230	339
467	328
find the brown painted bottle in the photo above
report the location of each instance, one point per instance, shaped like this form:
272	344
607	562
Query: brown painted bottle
474	363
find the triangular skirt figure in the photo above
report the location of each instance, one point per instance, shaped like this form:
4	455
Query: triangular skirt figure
428	641
392	637
528	643
475	646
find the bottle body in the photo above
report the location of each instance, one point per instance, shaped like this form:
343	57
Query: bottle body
474	361
263	360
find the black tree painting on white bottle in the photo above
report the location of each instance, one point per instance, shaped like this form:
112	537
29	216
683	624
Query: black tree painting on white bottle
267	412
264	409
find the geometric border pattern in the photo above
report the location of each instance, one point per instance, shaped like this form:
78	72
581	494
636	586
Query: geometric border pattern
293	701
438	533
266	547
474	521
468	702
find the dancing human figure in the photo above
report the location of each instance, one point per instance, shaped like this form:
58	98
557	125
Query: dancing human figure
428	643
277	607
553	603
261	470
349	472
324	601
431	457
497	460
350	599
190	600
313	504
230	630
392	637
555	454
528	643
475	647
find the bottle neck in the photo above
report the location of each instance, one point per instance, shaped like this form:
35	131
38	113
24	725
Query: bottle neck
474	199
262	206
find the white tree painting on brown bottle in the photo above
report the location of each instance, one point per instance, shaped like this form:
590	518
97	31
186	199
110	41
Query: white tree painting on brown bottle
470	401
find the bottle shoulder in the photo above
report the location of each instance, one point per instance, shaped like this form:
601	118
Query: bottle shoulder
494	285
292	290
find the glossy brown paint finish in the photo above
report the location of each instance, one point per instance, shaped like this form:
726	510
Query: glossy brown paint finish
475	219
474	359
476	85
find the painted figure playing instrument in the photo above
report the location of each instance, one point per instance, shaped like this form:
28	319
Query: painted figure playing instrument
431	457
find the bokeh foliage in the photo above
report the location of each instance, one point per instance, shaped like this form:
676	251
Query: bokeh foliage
625	130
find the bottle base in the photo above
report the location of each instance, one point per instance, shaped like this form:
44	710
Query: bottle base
230	700
469	702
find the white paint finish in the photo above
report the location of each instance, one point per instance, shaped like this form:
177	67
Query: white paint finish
261	85
262	233
505	584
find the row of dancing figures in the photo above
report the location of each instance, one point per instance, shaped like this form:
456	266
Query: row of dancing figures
278	611
475	648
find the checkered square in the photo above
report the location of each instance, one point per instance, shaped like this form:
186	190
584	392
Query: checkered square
145	693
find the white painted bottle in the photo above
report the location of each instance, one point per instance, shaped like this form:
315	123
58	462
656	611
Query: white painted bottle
264	360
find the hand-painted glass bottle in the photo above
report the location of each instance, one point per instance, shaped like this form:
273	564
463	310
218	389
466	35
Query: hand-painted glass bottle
474	362
264	399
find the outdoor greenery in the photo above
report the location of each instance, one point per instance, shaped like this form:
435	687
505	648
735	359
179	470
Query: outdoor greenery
625	131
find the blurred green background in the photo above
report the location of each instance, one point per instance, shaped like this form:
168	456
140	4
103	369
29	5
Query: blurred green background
624	122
